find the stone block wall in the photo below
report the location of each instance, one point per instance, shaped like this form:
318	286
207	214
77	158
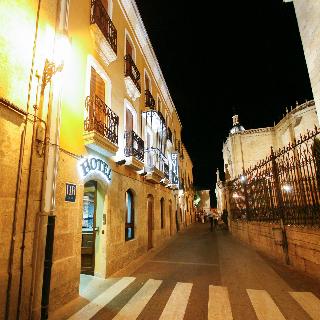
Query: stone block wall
303	243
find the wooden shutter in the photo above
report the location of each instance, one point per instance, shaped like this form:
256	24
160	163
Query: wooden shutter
106	5
97	88
129	120
129	49
147	83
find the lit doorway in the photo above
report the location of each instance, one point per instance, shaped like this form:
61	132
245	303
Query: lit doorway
93	244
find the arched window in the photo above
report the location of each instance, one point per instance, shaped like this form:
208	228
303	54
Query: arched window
162	213
129	230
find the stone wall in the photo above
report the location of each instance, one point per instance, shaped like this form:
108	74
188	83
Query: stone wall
303	243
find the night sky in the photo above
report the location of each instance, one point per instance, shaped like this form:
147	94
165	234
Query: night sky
245	56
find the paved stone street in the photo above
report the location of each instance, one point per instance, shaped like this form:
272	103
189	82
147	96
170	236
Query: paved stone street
200	275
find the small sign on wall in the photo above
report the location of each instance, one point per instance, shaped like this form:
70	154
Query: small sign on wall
71	192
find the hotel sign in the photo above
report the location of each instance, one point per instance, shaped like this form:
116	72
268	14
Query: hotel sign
71	192
95	165
174	168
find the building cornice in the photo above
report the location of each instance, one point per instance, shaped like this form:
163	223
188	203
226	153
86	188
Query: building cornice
133	15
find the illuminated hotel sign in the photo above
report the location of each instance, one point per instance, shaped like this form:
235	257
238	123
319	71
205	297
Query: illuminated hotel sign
174	168
94	165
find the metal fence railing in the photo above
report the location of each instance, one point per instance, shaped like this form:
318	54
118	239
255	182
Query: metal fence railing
284	186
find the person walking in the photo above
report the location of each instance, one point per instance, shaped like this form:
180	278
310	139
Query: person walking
210	216
215	221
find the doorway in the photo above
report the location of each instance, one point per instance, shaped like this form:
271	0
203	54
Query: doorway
150	221
88	228
93	244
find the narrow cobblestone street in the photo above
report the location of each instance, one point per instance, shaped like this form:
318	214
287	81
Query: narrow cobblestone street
200	275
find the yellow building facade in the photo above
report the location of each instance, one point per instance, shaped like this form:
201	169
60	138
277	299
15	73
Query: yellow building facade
94	170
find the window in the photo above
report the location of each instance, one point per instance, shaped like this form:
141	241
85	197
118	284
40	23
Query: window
129	228
97	93
162	213
147	81
129	47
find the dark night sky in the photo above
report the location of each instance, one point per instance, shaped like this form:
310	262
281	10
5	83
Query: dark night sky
245	55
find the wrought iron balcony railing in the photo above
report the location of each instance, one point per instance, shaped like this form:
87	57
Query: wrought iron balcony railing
100	16
134	145
102	119
149	100
154	158
131	70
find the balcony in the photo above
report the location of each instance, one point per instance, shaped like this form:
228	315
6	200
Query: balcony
131	78
155	120
103	32
101	127
149	100
134	150
156	165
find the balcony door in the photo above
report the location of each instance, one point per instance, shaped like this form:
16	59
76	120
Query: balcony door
98	89
105	4
129	48
129	129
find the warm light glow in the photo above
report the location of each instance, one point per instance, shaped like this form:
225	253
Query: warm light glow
287	188
243	178
61	50
235	196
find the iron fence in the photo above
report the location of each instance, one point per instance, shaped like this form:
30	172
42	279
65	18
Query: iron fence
284	186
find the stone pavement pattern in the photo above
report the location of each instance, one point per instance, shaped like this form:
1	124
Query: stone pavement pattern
200	275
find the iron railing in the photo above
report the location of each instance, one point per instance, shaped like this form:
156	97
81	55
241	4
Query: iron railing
284	186
131	70
102	119
134	145
149	100
154	158
99	15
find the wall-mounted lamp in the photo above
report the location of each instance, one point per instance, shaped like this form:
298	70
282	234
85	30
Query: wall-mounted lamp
121	162
50	69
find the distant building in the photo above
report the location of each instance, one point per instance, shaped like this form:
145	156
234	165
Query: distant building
244	148
204	203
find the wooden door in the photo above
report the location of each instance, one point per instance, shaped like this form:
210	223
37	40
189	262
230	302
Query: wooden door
98	89
129	129
150	222
129	49
88	228
105	5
